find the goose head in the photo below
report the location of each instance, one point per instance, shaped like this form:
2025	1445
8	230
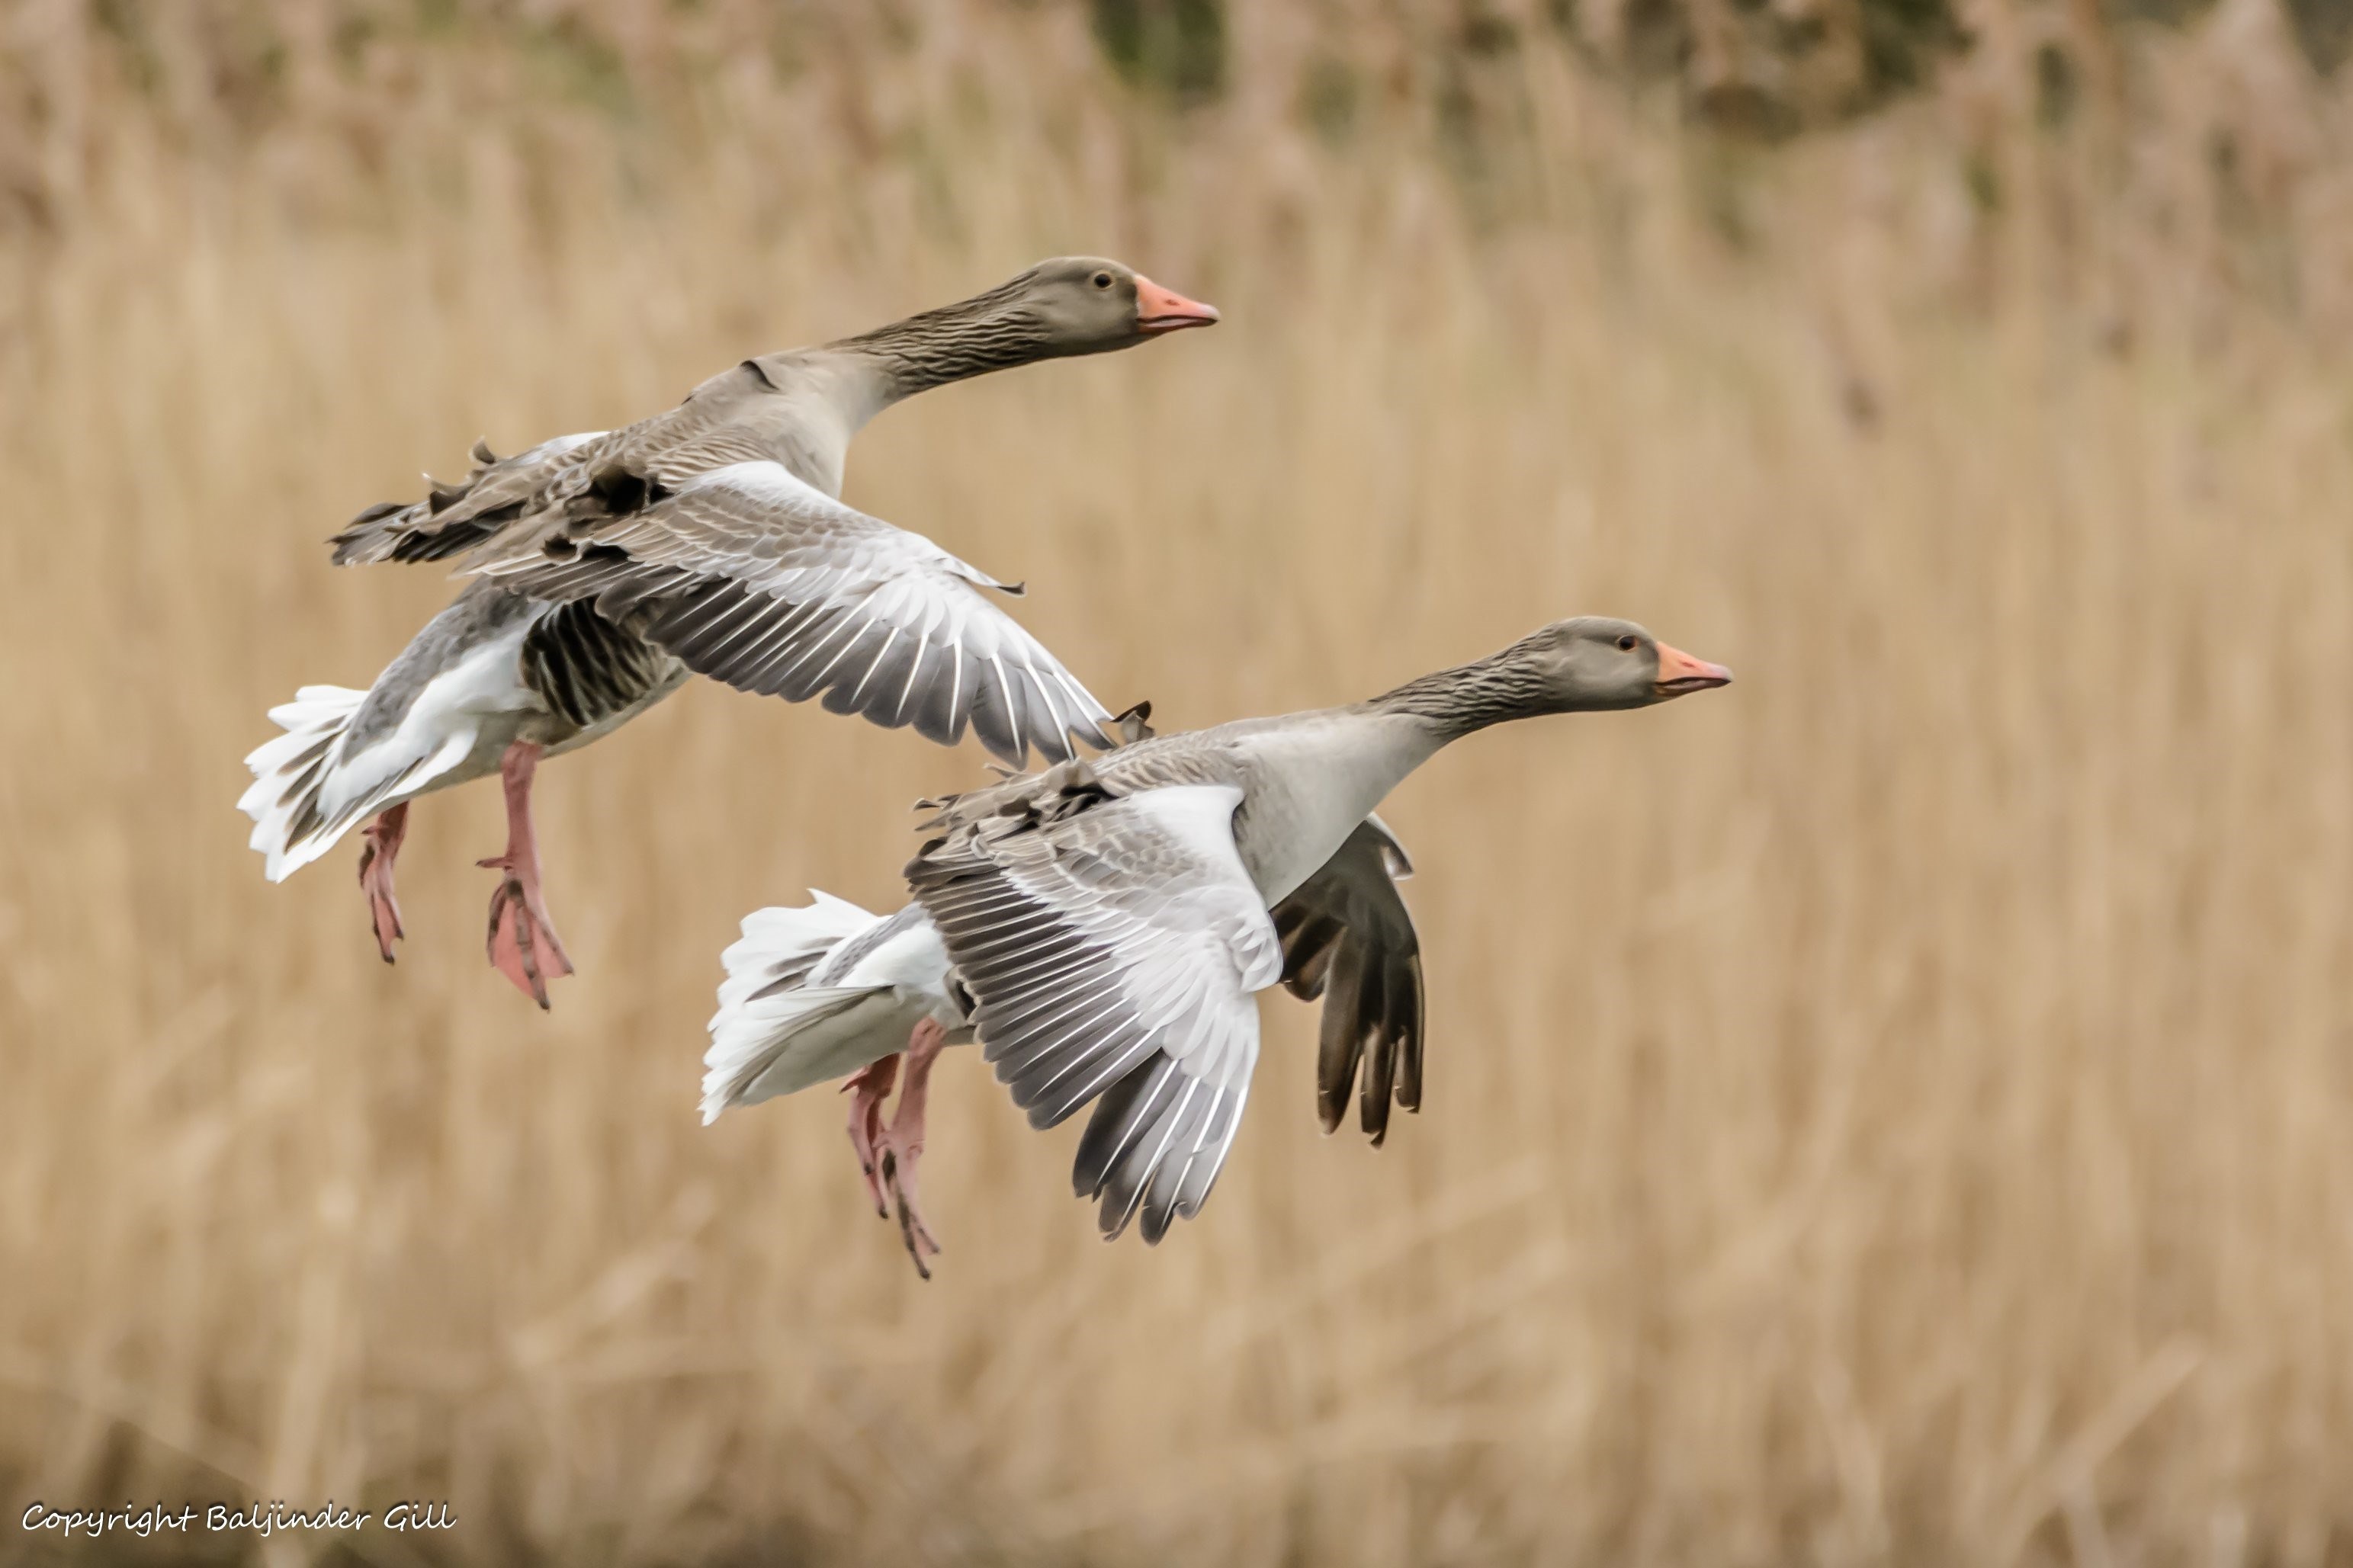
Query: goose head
1590	662
1584	664
1088	304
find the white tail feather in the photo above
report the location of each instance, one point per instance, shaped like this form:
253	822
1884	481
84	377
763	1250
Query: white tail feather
766	1008
285	775
307	791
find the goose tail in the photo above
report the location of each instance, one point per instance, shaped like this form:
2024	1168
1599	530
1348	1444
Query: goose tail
769	1016
291	827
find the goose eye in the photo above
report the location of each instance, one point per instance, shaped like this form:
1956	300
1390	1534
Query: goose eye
1625	643
1102	280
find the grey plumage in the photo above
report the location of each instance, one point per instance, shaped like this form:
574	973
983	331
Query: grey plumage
753	578
1111	920
1060	1029
586	669
798	407
514	664
1153	1147
1050	1018
482	612
1110	945
854	950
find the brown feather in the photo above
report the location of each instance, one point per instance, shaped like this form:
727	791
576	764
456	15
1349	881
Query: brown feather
1342	1040
1348	939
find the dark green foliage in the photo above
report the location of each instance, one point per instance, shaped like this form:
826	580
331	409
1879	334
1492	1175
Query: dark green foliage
1485	35
1175	47
2324	29
2054	85
2166	12
1328	97
579	63
1658	37
126	22
1983	181
1902	41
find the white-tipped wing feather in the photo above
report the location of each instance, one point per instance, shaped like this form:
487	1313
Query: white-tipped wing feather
1113	955
753	577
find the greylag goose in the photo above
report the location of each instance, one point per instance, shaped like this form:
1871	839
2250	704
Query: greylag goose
1101	928
703	539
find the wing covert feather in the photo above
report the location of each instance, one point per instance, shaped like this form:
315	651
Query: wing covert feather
751	576
1114	954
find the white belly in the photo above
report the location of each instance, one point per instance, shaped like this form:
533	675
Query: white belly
456	730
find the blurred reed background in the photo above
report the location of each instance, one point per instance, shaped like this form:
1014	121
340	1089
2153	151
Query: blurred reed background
1893	1111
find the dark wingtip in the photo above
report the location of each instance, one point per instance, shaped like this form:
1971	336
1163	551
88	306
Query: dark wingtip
1132	725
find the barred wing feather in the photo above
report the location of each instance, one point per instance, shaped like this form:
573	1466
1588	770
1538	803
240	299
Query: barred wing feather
751	576
1113	957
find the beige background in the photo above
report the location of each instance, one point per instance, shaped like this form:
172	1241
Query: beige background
1892	1110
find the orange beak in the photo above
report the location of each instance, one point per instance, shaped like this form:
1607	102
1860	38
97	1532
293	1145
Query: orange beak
1679	672
1159	309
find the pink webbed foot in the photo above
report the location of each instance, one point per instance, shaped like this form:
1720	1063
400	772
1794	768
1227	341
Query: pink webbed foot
867	1087
902	1146
522	943
382	846
888	1155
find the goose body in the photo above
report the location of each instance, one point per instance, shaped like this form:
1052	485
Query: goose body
612	564
1107	924
491	671
818	992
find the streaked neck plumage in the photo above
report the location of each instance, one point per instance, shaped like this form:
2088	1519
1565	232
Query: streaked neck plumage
1470	697
988	332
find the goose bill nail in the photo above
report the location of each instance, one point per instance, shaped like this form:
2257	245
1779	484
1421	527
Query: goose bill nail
1679	671
1159	309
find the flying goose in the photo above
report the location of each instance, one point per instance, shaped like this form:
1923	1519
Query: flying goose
1100	929
704	540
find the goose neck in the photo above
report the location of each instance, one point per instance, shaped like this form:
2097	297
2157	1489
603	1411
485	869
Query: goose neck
989	332
1468	698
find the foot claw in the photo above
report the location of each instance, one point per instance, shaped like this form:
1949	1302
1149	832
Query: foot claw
380	844
522	943
886	1157
519	932
871	1086
899	1175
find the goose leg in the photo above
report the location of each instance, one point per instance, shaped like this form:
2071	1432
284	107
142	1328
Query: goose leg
867	1087
523	945
903	1145
376	854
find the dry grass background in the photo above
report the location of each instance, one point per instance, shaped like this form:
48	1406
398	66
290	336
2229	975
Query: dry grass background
1893	1110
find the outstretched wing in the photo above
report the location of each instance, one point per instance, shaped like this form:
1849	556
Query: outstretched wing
751	576
1113	955
733	417
1348	937
454	518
